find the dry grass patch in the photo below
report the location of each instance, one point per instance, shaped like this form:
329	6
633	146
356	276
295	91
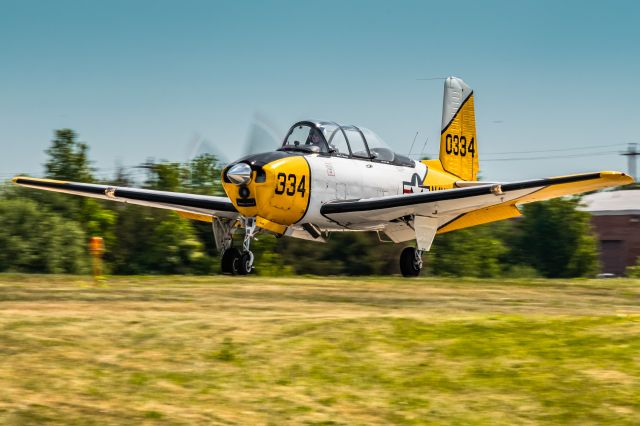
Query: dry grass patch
221	350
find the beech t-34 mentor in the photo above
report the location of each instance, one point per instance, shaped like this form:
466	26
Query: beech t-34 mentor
327	178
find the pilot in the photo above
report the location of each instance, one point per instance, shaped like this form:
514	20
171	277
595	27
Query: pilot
315	138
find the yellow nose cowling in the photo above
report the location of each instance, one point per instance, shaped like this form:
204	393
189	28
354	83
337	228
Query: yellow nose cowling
277	194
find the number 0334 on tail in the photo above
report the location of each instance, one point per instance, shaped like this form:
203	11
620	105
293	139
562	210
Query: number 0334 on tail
328	177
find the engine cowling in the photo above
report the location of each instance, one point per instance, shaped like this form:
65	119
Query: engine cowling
272	187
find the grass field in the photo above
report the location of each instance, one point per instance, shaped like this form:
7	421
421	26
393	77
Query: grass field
221	350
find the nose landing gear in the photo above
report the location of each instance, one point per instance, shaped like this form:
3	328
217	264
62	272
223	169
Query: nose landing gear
234	261
410	262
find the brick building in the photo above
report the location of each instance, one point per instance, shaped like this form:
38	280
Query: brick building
615	216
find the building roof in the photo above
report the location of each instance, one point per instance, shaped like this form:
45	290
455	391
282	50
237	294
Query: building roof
612	203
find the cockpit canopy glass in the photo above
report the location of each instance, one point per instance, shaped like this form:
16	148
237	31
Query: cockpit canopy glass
378	148
305	137
344	141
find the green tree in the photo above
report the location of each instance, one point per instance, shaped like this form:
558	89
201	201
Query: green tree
471	252
166	176
157	241
344	253
556	239
268	261
204	176
68	158
175	249
634	271
34	239
152	241
200	175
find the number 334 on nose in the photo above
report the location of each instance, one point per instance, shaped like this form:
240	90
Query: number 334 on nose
328	177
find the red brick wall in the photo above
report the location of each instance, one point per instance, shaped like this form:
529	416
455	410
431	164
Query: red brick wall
619	238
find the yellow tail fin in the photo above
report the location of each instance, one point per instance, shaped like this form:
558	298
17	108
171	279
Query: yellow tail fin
458	142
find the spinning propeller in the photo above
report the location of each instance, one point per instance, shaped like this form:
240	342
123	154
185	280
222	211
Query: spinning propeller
263	135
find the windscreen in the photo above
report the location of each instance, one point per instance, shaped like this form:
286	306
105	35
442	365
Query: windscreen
304	137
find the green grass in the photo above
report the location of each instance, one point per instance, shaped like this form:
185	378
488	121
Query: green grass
221	350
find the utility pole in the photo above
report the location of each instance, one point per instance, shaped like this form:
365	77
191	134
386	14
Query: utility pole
631	155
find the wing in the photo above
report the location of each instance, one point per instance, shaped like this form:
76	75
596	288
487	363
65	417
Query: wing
452	209
200	207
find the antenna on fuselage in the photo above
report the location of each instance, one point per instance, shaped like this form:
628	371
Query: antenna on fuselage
423	147
426	140
414	141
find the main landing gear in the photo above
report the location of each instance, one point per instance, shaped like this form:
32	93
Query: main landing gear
410	262
233	261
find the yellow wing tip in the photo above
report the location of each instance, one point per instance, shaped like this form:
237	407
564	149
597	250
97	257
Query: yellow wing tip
621	177
27	178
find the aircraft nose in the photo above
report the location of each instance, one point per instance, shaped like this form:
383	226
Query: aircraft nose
240	174
274	187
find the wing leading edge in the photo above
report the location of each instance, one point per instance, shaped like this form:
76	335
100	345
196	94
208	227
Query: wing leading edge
465	207
200	207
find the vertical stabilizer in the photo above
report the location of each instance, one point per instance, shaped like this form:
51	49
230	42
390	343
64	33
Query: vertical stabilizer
458	143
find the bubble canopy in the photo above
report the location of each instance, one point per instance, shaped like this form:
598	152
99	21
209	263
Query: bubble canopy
329	138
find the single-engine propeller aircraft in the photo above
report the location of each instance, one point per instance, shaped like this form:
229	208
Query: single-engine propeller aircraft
328	178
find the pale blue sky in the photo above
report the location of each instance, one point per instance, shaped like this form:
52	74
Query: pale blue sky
139	79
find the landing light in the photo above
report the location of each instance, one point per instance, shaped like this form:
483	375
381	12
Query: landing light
240	174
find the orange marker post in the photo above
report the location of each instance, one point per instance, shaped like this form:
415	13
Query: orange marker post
96	248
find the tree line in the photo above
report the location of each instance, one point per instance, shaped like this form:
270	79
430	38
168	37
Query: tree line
44	232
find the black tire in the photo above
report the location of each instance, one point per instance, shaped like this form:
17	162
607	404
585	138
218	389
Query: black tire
244	263
230	260
408	265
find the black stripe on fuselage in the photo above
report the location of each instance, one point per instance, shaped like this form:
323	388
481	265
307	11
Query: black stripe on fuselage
163	197
306	209
265	158
451	194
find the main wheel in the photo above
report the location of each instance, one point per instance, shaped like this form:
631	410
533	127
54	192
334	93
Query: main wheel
410	262
245	263
230	261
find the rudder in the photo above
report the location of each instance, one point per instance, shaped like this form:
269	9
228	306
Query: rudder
458	143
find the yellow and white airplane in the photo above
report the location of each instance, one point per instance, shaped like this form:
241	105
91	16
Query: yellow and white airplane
331	178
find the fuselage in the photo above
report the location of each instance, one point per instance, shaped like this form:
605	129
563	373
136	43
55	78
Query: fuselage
288	188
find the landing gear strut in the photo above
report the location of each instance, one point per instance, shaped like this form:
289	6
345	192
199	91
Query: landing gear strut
246	258
411	262
234	261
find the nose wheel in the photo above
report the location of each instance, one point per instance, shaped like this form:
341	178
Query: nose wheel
245	266
411	262
236	262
